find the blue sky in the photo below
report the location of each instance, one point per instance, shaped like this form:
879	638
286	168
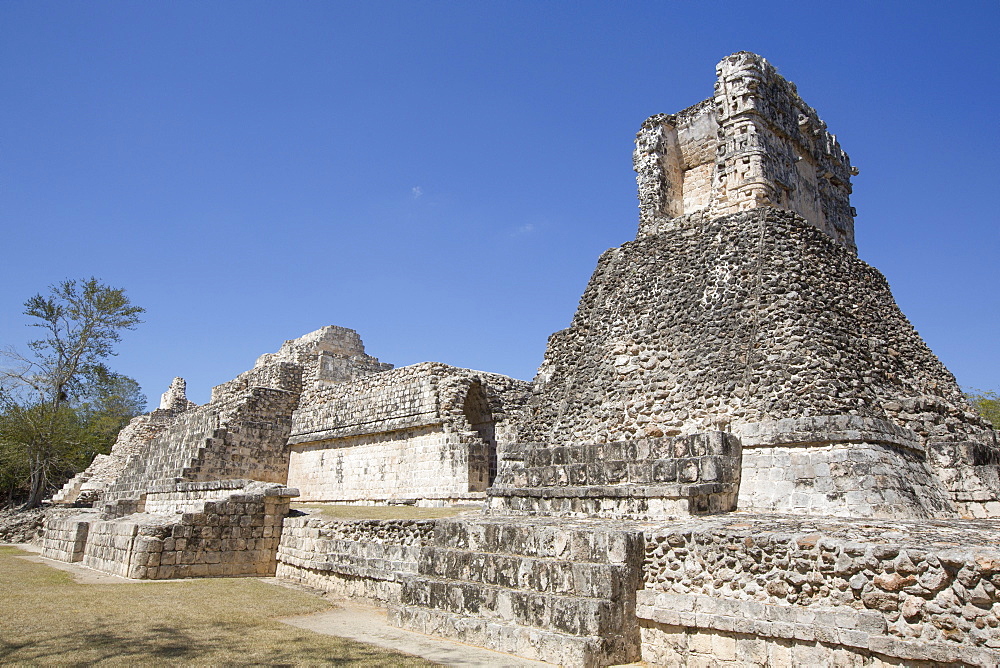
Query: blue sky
442	176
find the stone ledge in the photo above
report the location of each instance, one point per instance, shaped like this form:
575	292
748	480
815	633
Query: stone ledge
848	628
825	430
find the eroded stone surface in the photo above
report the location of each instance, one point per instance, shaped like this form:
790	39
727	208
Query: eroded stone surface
755	143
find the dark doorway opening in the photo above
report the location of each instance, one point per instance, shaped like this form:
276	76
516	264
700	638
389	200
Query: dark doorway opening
482	466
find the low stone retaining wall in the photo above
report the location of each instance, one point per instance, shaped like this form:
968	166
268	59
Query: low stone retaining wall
64	537
734	589
356	558
807	591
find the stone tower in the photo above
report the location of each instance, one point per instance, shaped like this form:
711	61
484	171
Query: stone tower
755	143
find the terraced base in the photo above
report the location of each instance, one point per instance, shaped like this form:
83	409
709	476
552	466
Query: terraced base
561	591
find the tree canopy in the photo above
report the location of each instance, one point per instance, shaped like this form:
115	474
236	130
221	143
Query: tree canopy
62	405
987	402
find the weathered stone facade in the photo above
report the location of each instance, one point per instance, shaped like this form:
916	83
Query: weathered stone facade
755	143
739	453
425	433
89	485
741	323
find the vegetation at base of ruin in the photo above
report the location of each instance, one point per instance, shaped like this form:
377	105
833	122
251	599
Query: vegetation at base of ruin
987	402
392	512
61	405
50	619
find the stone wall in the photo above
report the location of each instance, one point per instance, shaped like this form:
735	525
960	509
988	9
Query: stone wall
755	143
426	432
736	589
969	473
551	589
423	464
65	537
364	559
762	590
841	465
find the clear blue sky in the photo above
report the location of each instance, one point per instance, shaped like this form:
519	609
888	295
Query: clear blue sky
442	176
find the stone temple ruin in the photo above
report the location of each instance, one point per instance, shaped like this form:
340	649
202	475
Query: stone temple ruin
739	452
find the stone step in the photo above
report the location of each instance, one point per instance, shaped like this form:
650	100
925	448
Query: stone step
71	490
547	575
571	540
530	643
574	615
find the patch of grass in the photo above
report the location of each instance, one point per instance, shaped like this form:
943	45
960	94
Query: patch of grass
394	512
50	619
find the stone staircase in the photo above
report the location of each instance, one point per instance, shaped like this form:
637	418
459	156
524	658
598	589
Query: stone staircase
243	437
561	591
70	492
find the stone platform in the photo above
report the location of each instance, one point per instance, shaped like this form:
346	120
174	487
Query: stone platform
740	588
199	529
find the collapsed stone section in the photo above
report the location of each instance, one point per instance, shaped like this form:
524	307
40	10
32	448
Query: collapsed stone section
175	398
755	143
426	433
220	528
330	354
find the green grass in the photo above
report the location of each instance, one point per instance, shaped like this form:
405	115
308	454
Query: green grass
395	512
46	618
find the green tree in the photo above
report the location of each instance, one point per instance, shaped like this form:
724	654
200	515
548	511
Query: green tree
62	405
987	402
